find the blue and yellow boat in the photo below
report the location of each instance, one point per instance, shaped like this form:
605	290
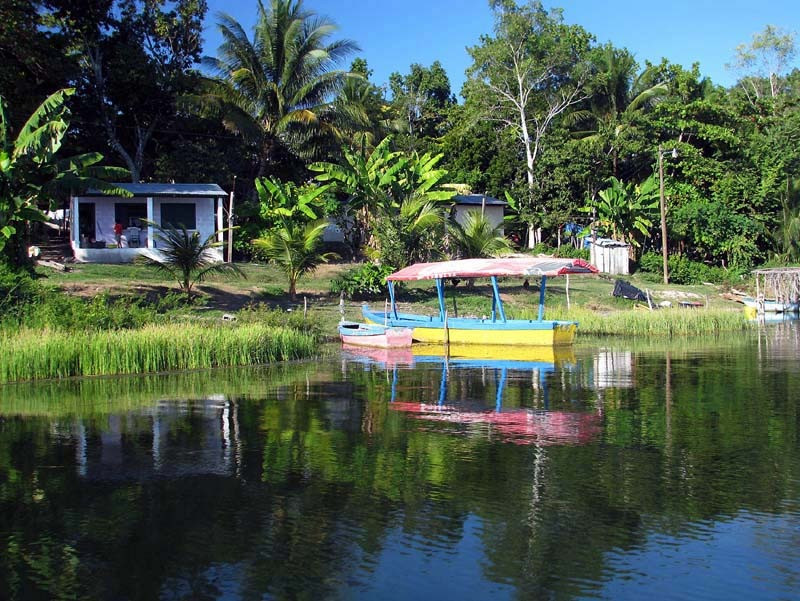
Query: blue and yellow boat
495	329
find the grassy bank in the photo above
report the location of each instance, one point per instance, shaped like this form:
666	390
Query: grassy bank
663	322
37	354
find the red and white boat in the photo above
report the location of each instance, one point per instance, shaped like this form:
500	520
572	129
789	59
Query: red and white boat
374	335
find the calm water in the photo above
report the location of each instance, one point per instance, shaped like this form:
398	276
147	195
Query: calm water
617	471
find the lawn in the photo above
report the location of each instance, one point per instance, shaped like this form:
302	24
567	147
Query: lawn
266	284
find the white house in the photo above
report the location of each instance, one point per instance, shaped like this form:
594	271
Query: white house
198	207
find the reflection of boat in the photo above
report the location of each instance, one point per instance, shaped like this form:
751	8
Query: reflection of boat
489	355
374	335
772	306
495	329
520	426
382	357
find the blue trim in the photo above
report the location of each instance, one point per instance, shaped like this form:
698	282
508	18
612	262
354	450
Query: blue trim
412	320
498	300
542	286
498	403
440	294
391	299
443	385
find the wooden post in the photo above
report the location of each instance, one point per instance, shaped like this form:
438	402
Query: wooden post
305	308
446	331
230	222
566	288
649	302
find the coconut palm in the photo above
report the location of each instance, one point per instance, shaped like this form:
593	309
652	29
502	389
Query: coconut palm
618	94
477	238
186	257
295	248
277	90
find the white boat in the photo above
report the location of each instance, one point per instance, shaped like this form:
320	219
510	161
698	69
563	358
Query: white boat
772	306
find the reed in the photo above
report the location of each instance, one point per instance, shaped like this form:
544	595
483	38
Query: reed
39	354
663	322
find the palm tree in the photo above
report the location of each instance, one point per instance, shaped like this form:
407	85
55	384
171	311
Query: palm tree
295	248
618	94
478	238
186	258
277	90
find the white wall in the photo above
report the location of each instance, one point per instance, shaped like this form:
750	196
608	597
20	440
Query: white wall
105	216
494	213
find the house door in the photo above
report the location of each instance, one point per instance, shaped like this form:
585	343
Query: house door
86	221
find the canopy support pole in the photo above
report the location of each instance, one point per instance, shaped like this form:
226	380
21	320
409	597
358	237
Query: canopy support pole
497	301
391	299
440	293
542	286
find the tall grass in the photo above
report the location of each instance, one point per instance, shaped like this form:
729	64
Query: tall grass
37	354
663	322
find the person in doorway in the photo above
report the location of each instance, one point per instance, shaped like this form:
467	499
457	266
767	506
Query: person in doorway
118	233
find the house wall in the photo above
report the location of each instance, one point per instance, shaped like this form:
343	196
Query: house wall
104	227
494	213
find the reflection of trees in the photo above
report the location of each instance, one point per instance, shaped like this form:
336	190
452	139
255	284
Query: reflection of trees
326	470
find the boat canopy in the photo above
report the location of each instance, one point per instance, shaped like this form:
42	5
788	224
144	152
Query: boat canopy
485	268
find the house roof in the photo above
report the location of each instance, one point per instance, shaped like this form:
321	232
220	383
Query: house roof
477	199
194	190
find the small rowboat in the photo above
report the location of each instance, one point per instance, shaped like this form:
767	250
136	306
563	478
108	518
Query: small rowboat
374	335
772	306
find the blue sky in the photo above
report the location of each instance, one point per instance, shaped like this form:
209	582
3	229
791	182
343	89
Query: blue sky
393	34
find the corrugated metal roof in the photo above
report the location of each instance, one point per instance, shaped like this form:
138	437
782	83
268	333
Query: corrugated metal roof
175	190
477	199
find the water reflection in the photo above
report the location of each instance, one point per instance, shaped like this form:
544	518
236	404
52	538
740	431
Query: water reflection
619	470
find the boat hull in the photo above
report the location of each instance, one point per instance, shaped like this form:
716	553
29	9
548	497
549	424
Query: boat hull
517	332
375	336
772	306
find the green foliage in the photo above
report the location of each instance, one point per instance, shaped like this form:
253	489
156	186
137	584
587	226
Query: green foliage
664	322
477	237
31	176
625	211
275	90
368	280
186	257
685	271
566	251
295	248
150	349
281	202
395	201
712	229
29	304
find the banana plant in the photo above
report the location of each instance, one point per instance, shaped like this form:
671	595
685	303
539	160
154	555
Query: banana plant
625	211
31	176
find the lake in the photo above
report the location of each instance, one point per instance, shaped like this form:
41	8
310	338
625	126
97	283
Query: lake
614	470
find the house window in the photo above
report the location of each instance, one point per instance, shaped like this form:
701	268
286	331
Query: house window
130	214
179	214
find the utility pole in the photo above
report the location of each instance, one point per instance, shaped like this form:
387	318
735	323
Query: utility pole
664	207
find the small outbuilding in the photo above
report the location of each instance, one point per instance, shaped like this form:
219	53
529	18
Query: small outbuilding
94	214
609	256
492	208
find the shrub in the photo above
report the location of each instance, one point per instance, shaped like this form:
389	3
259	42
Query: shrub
684	271
567	251
365	281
